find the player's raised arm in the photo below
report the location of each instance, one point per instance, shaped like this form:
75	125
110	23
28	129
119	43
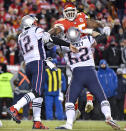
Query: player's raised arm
46	37
61	42
91	23
55	30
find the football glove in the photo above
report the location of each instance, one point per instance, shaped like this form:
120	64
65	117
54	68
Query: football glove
61	96
89	106
50	64
46	37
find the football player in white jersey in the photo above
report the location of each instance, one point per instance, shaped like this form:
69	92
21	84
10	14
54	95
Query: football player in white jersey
84	74
31	42
81	21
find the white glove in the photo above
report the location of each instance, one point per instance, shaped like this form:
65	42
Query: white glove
61	98
46	37
89	106
50	64
106	30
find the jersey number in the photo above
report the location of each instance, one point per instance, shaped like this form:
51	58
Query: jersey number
27	48
83	56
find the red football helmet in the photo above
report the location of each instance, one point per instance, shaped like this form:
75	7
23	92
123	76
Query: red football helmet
70	12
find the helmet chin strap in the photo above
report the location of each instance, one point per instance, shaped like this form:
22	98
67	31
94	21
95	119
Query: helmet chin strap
70	19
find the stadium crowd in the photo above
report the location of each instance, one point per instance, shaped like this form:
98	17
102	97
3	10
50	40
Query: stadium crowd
111	48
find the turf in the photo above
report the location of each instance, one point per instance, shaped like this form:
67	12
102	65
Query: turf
10	125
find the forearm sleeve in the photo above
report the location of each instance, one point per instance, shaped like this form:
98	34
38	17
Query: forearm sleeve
58	41
101	38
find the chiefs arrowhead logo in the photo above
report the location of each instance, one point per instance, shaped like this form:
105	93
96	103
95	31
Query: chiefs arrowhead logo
81	20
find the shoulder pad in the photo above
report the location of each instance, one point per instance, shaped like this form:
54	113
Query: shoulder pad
38	30
61	19
79	14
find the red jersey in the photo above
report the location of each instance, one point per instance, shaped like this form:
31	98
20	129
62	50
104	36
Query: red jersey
79	22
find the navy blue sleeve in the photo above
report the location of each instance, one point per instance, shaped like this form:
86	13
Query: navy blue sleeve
58	41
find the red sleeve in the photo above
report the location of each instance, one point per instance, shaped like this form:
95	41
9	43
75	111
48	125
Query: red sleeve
60	23
56	22
84	15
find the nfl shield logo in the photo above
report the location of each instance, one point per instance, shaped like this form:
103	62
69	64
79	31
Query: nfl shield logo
81	20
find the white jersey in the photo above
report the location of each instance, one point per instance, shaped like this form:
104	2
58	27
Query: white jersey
31	44
85	55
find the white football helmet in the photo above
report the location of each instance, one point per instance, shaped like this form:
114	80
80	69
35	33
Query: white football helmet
27	21
73	34
70	12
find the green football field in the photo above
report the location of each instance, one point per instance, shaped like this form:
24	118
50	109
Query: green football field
10	125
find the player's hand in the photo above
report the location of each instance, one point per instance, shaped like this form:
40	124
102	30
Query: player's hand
61	96
46	37
95	33
89	106
107	30
73	49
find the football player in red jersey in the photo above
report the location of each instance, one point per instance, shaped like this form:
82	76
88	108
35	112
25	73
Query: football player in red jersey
78	20
74	19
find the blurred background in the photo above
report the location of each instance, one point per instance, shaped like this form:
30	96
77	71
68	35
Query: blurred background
110	51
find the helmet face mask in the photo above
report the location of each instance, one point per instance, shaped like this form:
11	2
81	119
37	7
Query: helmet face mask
27	21
70	12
